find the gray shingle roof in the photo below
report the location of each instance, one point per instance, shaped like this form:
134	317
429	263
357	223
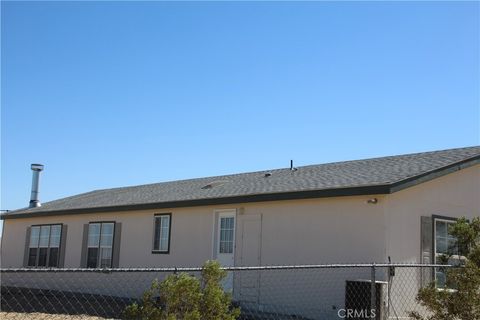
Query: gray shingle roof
369	176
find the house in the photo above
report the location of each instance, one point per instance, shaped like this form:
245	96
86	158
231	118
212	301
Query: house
346	212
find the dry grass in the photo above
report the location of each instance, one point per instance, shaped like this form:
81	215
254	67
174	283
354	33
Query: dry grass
44	316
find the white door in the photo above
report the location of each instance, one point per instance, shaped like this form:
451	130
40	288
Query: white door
226	243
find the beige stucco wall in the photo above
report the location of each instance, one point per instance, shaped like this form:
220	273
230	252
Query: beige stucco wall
454	195
293	232
331	230
191	237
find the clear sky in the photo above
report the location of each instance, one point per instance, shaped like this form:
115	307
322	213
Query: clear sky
109	94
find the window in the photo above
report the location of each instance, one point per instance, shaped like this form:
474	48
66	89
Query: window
226	234
44	245
446	249
161	241
100	244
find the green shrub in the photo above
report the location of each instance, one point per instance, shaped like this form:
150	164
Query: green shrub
184	297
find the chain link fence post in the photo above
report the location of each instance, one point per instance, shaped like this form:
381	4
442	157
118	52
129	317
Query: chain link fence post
373	292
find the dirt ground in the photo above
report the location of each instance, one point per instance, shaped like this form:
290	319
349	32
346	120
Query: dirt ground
44	316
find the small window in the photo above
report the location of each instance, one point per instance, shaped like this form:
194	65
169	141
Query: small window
100	244
226	234
44	246
446	249
161	241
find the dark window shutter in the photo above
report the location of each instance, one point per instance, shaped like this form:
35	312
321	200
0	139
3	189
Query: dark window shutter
116	245
427	254
63	246
427	240
27	245
83	258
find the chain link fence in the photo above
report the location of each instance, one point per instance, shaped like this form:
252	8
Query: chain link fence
324	292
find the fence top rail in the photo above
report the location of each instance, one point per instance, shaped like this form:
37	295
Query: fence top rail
197	269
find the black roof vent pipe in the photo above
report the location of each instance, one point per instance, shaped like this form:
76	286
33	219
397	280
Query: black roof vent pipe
292	168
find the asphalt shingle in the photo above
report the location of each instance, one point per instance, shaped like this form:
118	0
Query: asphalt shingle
347	174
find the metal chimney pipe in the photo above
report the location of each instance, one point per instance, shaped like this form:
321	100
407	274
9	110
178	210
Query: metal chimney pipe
36	168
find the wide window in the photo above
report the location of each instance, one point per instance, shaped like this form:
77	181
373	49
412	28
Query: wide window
100	244
446	249
44	246
161	241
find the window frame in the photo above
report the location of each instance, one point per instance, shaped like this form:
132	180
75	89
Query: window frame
159	216
448	220
232	229
99	243
37	254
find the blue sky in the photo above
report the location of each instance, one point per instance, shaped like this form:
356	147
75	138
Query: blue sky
109	94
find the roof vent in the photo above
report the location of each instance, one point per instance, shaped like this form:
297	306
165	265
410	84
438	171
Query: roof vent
268	174
215	183
292	168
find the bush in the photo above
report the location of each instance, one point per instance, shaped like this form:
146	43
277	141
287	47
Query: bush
184	297
461	299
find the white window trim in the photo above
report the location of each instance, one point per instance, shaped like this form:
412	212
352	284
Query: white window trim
226	213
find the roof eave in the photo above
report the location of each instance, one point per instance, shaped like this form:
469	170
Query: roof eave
434	174
296	195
